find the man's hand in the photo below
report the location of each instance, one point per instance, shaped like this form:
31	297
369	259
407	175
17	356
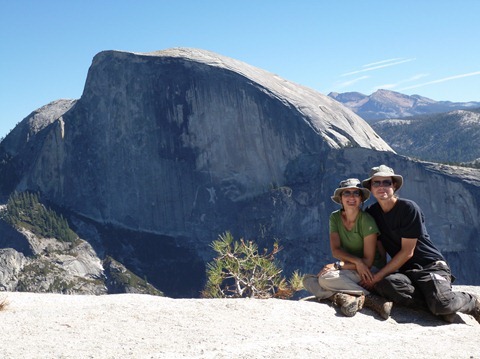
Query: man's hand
369	284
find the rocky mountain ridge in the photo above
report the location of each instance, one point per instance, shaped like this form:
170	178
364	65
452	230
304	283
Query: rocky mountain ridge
449	137
31	263
386	104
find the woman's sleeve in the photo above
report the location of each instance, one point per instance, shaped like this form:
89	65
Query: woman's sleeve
369	226
333	223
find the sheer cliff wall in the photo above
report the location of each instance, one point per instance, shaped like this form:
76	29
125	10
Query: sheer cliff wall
167	142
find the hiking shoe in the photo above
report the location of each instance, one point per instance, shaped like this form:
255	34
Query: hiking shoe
360	302
449	318
379	304
476	311
349	304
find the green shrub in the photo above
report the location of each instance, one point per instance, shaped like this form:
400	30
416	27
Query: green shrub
240	271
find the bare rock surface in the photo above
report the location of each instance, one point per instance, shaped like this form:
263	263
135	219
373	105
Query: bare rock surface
143	326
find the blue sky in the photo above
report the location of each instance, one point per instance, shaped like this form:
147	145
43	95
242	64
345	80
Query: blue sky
428	48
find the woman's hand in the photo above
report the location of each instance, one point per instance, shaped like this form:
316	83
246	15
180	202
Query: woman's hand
364	272
327	268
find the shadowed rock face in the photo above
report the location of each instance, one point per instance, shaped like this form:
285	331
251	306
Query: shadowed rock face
185	144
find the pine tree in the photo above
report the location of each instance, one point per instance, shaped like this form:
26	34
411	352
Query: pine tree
240	271
25	210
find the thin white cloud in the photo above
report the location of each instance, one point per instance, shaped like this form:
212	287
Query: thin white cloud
394	85
381	65
351	82
414	78
476	73
382	62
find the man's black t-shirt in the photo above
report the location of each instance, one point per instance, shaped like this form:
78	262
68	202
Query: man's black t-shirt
405	220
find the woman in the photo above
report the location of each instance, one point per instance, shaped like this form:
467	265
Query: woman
353	240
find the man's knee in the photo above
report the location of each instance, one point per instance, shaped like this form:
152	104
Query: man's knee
440	298
395	283
399	288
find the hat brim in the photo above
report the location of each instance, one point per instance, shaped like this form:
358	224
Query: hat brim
338	192
367	183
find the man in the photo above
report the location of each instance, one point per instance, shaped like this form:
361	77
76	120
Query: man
417	274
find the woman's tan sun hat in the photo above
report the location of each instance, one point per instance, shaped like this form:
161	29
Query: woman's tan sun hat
383	171
351	183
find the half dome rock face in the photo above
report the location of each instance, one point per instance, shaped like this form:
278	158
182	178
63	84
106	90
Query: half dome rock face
158	139
165	151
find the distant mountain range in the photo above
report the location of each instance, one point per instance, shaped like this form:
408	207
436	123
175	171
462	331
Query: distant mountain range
451	137
383	104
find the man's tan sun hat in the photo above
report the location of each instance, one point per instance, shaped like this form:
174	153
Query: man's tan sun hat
383	171
351	183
